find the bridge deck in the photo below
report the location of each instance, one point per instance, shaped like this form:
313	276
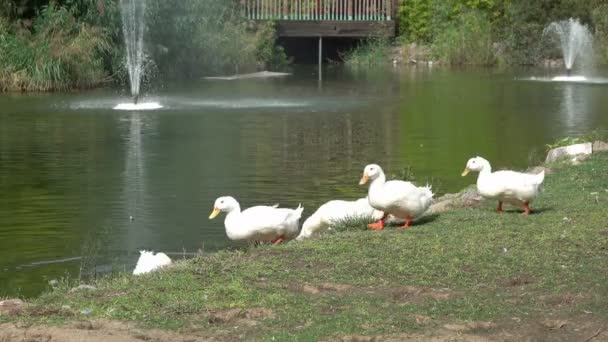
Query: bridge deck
326	18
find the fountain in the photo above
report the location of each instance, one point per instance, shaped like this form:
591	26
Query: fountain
576	44
133	27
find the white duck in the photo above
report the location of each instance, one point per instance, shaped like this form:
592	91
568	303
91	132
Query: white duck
335	211
398	198
512	187
259	223
148	262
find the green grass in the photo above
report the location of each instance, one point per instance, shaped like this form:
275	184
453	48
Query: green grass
59	54
596	135
468	264
372	52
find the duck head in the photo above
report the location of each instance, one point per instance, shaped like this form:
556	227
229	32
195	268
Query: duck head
475	164
371	171
223	204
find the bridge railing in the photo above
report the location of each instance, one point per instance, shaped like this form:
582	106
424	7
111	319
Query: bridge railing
336	10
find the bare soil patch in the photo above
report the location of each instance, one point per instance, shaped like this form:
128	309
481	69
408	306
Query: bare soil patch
310	289
247	317
558	330
92	331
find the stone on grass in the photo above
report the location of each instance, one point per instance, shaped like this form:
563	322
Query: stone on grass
569	151
600	146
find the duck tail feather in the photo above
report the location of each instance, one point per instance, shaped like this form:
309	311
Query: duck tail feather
540	177
298	211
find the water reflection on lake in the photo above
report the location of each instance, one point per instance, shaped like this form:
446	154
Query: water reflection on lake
79	179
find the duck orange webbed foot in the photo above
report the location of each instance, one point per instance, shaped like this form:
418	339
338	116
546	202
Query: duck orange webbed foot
376	226
407	224
277	241
527	209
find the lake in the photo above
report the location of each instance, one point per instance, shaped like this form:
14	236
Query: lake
86	186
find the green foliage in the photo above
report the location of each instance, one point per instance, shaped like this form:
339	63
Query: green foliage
58	53
371	52
184	39
415	20
191	38
468	41
600	21
421	20
515	25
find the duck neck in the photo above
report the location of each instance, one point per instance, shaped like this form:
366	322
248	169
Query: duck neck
485	171
232	215
377	183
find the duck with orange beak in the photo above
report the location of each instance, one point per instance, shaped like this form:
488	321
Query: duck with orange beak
259	223
400	199
512	187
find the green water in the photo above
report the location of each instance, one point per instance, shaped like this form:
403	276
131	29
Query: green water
80	180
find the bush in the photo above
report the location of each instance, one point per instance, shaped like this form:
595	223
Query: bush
191	38
600	21
62	44
421	20
516	25
59	53
415	20
371	52
467	41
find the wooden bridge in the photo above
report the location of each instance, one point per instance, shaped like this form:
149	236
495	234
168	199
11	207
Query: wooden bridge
326	18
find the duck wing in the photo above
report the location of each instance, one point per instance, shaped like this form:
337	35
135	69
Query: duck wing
517	184
396	191
270	221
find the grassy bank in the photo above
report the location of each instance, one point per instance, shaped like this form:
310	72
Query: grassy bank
469	271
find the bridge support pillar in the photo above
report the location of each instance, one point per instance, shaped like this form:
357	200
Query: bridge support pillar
320	58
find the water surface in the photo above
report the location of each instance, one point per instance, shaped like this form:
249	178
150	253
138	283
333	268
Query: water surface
82	184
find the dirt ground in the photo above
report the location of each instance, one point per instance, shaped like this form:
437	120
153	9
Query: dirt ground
581	329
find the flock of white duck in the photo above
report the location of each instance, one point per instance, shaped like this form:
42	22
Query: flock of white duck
401	200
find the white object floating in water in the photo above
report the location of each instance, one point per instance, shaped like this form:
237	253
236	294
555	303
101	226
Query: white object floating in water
570	79
138	106
148	262
261	74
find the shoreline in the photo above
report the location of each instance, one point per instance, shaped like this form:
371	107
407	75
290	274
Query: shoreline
465	272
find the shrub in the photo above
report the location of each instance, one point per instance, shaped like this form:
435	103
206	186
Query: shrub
600	21
415	20
58	54
191	38
467	41
371	52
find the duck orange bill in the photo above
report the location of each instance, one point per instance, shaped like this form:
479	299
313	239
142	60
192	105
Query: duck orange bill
465	172
214	213
364	179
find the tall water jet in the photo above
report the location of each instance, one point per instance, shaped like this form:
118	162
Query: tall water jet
575	42
132	12
133	27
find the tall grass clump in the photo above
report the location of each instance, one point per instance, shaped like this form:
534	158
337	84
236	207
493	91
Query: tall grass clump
373	51
466	41
57	53
600	21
